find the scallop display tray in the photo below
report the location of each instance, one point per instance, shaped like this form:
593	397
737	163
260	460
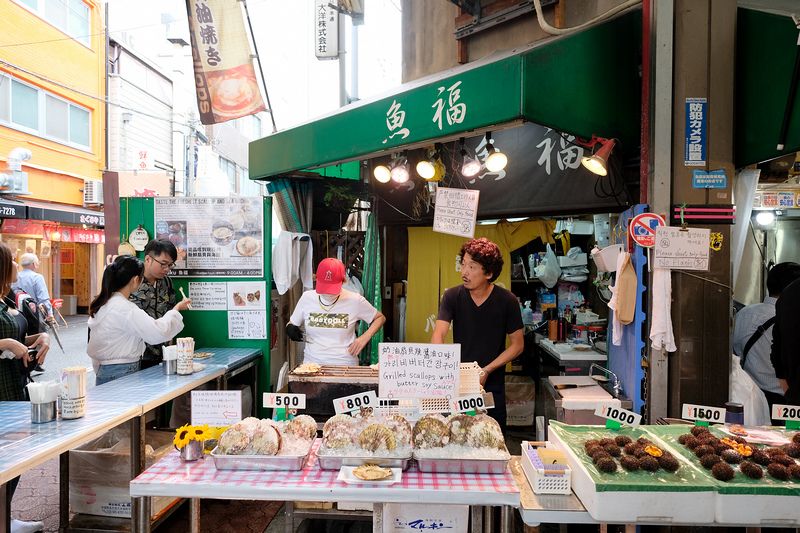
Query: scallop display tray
259	462
336	462
452	465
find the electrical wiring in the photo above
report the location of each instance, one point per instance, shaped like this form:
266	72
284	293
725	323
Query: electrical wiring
758	246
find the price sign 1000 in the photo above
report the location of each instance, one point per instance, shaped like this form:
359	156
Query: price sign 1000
467	403
619	415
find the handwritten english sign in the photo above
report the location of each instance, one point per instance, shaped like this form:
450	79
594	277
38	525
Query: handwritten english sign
456	211
682	250
416	370
208	295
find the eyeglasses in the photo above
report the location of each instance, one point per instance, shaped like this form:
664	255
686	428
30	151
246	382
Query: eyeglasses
168	266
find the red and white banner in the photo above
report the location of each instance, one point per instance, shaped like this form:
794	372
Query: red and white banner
34	228
225	79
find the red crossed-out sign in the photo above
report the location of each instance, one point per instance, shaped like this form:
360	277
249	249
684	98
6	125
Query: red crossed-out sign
643	228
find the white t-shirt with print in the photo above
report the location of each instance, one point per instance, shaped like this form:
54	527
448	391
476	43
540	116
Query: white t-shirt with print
331	330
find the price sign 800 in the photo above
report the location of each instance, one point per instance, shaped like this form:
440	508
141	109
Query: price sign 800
355	402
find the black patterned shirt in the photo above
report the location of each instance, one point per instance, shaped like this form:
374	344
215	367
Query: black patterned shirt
10	379
155	300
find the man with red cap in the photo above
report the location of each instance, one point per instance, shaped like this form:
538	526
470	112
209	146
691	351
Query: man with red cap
330	315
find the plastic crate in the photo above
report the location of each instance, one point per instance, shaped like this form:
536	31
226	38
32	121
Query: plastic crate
555	479
434	405
405	407
469	379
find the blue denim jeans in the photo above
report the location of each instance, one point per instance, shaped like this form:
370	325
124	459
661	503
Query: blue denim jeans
108	373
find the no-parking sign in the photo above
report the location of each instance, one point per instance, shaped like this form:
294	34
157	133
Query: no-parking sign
643	228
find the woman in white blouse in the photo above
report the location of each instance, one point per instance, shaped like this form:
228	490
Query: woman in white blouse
119	329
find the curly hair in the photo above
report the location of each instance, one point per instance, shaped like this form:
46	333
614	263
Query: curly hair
485	253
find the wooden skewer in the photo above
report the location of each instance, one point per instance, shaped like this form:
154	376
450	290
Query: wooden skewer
184	295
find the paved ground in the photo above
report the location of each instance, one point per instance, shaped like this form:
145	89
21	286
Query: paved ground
74	337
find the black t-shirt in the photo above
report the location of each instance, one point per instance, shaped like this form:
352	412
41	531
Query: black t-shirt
784	356
481	330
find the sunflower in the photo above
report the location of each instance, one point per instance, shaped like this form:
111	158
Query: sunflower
199	432
182	436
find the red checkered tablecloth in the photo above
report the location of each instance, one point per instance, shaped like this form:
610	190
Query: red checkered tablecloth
172	477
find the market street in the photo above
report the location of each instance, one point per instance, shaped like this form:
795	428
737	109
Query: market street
74	337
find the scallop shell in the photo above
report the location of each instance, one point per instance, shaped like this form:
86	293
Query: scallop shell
430	432
485	435
336	418
248	425
267	441
233	441
483	417
401	429
459	427
377	437
371	472
303	426
340	435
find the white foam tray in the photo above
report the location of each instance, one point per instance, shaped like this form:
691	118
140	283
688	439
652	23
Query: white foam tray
757	510
695	508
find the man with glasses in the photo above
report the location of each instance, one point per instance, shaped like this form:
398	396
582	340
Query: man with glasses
156	295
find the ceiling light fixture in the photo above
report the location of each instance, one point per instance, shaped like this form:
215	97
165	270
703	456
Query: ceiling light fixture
765	218
382	173
598	162
400	170
496	160
469	166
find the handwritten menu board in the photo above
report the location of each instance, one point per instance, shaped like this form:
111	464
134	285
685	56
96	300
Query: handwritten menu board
208	295
456	211
217	408
683	250
416	370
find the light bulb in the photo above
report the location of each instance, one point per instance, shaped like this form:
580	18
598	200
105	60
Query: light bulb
381	173
400	173
470	167
496	160
765	218
426	169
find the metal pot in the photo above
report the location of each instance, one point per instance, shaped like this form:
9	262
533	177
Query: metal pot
192	451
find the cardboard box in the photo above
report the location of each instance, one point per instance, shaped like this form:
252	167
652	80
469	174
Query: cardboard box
100	473
520	400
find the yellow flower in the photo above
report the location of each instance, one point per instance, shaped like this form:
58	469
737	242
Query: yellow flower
199	432
182	436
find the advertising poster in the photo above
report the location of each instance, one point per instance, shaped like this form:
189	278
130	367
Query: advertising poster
225	78
215	237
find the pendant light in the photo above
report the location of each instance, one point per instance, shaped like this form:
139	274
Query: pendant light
598	162
469	166
496	160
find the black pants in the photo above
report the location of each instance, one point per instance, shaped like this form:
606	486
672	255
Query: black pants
772	399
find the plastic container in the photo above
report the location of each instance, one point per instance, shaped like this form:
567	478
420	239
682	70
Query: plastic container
579	334
734	413
527	313
553	479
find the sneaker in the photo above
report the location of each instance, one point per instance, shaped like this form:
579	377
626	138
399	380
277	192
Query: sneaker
18	526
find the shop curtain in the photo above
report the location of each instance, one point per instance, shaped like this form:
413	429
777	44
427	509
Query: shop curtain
371	281
294	201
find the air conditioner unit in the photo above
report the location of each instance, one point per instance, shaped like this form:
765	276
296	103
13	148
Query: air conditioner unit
92	192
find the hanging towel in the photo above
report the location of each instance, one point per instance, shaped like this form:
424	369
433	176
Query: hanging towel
661	333
616	325
291	261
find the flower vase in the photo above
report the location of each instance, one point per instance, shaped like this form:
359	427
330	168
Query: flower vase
192	450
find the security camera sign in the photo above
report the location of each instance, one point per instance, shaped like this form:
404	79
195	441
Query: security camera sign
643	228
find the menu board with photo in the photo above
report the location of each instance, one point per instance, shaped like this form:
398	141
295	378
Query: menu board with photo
220	237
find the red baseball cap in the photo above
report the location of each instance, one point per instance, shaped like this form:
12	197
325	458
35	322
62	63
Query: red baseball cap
330	276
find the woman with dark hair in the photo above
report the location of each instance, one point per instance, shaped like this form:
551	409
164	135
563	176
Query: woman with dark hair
119	329
15	344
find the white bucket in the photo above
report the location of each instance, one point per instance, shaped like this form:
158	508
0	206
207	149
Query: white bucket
606	259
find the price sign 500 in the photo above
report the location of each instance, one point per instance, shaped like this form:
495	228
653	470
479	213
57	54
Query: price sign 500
355	402
617	414
284	400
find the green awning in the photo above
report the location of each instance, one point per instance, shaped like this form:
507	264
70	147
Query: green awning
584	83
766	47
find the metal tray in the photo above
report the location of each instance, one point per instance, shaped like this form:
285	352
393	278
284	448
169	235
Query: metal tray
259	462
336	462
462	466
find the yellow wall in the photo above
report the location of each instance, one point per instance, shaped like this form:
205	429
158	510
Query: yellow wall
44	50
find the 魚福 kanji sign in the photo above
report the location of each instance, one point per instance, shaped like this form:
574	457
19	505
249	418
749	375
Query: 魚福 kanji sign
643	228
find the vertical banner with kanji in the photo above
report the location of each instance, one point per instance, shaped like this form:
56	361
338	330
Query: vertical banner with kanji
225	79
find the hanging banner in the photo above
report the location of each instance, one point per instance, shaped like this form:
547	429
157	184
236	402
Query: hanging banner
326	36
225	79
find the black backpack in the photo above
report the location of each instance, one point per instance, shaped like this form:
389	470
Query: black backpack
27	306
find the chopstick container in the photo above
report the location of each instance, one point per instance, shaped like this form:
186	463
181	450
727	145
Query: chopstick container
170	363
43	412
73	392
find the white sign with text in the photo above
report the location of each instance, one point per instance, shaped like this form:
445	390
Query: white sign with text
217	408
416	370
456	211
682	250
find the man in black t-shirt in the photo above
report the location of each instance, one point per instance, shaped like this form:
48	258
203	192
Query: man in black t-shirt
482	315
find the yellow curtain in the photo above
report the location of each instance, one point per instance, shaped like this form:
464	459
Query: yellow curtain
433	267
